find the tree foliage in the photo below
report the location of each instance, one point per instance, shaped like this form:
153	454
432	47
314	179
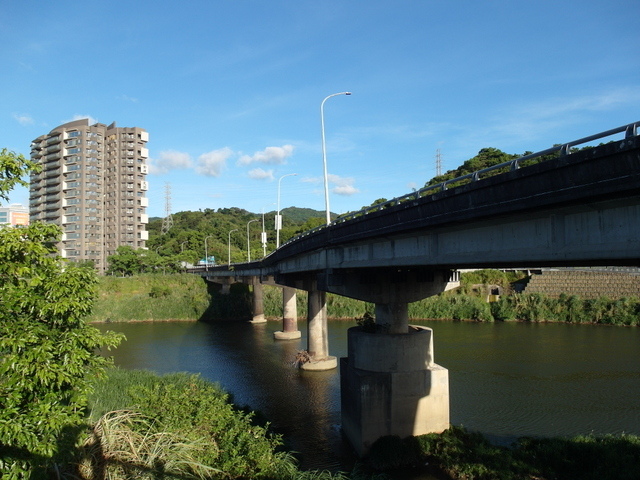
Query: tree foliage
47	352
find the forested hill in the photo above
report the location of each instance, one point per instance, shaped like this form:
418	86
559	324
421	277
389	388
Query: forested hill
224	228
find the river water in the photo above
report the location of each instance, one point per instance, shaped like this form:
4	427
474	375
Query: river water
506	379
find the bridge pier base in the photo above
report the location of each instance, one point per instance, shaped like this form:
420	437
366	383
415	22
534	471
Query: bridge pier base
258	303
390	385
290	316
318	334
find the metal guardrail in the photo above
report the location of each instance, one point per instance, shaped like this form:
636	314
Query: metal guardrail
630	130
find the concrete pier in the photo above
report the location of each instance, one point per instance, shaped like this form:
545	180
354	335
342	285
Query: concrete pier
290	316
258	304
390	385
318	334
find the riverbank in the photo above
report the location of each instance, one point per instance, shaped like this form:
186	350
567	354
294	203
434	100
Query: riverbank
185	297
150	297
207	435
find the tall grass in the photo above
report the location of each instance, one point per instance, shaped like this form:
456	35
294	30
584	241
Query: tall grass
468	455
185	297
150	297
179	426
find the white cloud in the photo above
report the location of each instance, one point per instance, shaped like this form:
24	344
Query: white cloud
212	164
127	98
80	117
345	190
270	155
23	119
342	185
169	160
260	174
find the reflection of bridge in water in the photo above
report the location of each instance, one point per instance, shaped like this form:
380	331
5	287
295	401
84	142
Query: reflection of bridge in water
580	208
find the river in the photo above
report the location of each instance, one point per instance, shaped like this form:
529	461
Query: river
506	379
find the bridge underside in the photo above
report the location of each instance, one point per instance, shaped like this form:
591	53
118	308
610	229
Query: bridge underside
581	209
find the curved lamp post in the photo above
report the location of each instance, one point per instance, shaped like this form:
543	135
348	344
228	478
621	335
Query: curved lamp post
324	155
229	258
206	253
248	244
278	216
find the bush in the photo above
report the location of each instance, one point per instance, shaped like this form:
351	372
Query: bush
158	291
195	432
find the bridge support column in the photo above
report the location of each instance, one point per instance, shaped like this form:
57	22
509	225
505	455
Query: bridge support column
394	315
390	385
318	334
258	304
290	316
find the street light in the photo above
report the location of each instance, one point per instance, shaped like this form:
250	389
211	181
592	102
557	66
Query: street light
229	260
324	155
206	253
248	244
182	246
278	216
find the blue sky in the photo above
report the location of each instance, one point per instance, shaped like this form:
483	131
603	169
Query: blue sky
230	91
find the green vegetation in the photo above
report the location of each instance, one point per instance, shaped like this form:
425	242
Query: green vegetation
222	228
185	297
150	297
47	351
178	426
460	454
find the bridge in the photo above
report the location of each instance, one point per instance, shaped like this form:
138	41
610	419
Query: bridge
559	207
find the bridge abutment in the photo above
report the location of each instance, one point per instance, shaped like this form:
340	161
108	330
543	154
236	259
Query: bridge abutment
289	316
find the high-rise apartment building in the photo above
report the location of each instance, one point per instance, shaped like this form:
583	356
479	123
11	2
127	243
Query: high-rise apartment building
93	185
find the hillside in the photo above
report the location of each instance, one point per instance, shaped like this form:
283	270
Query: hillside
225	229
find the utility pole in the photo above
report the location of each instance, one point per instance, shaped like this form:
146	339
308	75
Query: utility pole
167	221
438	163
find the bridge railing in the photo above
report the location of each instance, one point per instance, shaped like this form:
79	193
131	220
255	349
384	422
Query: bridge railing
630	130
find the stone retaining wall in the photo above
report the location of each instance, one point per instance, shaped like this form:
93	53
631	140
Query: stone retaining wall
586	284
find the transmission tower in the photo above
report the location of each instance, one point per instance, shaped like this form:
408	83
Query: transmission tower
167	221
438	163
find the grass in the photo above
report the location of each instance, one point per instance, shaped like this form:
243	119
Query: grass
185	297
179	426
460	454
150	297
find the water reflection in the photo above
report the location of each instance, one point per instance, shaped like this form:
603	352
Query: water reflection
506	380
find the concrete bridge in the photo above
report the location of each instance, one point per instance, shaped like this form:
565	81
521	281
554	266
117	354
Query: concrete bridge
580	208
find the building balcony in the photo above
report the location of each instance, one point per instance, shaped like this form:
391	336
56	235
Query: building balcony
52	181
50	165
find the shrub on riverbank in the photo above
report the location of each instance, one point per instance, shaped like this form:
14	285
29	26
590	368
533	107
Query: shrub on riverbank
179	426
461	454
534	307
185	297
150	297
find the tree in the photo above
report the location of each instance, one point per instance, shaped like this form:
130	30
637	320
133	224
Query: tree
47	352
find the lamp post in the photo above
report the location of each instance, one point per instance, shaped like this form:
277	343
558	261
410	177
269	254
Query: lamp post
229	258
249	244
182	246
278	216
324	155
206	253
